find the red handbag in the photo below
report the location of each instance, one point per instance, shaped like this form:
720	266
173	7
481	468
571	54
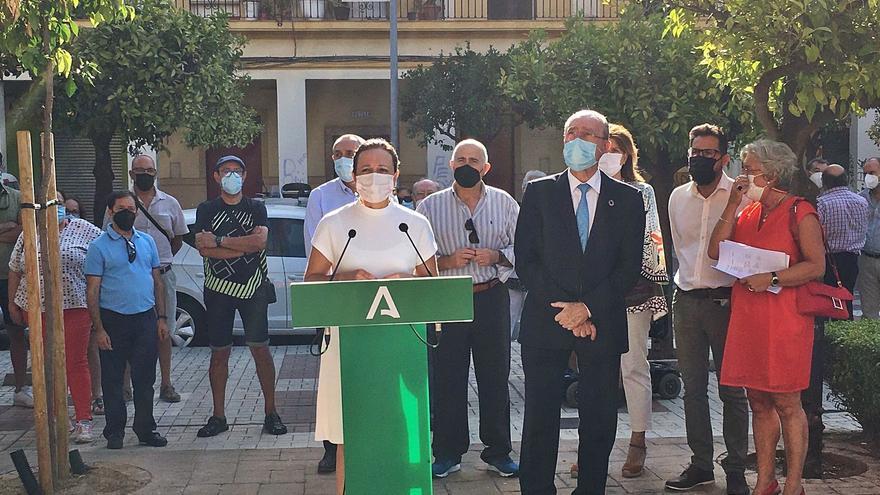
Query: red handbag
816	298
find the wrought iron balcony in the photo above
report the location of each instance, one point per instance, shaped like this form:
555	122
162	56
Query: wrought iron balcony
414	10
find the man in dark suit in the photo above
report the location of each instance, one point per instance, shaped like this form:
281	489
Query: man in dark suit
578	251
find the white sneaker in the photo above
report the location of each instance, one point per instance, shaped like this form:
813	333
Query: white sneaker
83	432
24	398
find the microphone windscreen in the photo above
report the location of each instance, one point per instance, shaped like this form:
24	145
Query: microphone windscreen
403	227
352	233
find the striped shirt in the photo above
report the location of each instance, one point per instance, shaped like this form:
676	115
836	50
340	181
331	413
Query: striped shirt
844	217
494	221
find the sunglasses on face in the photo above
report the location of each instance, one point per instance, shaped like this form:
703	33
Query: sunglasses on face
473	238
132	252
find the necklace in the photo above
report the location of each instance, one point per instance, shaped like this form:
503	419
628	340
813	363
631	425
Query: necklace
765	212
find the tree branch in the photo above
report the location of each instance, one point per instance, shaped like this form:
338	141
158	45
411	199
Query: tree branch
762	96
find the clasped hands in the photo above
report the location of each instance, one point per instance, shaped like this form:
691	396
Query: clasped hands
575	317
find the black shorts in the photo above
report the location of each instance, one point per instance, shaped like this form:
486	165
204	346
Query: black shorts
220	316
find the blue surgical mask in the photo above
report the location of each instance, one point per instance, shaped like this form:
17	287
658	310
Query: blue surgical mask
344	167
579	154
62	214
231	183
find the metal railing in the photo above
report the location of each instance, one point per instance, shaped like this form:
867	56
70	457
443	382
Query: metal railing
283	10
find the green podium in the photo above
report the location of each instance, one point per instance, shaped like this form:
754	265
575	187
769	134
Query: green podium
384	370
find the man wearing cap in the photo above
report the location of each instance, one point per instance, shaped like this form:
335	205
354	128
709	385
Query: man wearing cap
231	233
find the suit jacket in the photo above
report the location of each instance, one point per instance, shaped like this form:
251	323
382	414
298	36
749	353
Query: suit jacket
553	268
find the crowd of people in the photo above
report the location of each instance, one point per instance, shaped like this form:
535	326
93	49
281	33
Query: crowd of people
575	273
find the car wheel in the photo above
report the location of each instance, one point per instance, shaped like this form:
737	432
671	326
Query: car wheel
190	323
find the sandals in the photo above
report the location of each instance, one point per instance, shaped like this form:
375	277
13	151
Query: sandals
635	461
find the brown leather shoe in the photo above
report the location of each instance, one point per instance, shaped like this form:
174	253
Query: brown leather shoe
574	470
635	461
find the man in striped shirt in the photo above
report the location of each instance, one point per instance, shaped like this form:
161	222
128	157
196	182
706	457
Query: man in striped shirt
231	233
474	225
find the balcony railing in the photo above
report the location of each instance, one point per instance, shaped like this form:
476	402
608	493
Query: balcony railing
283	10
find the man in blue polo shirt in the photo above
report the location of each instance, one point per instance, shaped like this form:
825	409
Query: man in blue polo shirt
126	300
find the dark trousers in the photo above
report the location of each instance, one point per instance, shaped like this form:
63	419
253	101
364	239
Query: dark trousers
599	369
135	342
848	268
488	338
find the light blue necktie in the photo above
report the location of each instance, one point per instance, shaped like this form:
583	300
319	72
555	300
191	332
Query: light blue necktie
583	216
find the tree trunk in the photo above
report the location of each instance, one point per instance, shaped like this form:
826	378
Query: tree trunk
103	172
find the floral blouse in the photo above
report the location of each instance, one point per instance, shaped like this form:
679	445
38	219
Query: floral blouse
653	261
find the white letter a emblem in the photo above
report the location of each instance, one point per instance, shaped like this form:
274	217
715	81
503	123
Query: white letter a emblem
383	294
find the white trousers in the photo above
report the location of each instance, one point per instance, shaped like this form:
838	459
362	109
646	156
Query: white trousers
636	371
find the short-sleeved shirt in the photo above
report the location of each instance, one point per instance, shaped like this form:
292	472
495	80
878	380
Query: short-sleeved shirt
10	207
379	246
165	209
126	288
75	239
325	198
237	277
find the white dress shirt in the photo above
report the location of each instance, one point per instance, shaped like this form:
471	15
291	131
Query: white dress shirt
692	219
595	183
323	199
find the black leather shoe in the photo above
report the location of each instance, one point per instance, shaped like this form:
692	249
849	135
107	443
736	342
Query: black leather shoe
114	442
327	464
691	478
736	484
273	425
214	427
154	439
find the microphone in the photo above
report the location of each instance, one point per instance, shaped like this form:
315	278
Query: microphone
405	229
351	234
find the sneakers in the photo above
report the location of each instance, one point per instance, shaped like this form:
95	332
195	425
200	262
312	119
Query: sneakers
442	468
691	478
736	484
504	467
82	433
24	398
214	427
168	394
98	406
273	425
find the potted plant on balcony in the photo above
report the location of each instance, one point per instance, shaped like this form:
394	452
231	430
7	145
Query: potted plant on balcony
430	11
341	10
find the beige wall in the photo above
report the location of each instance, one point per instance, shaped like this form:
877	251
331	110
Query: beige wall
537	149
335	107
182	169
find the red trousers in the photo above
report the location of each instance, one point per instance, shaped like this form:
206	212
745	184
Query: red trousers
77	328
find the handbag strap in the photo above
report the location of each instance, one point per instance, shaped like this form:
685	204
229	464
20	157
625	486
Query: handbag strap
792	226
151	219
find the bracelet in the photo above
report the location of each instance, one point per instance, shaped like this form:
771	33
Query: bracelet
721	219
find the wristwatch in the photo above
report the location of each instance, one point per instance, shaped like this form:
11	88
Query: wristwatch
218	239
774	279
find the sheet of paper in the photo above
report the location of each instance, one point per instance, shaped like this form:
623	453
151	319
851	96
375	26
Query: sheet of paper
740	261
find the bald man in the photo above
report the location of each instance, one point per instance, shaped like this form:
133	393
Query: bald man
422	189
844	217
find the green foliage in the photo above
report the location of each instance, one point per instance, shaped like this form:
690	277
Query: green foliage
807	62
166	70
853	370
632	73
23	24
457	96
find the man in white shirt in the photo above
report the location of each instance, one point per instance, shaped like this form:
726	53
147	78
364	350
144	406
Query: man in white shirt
325	198
700	313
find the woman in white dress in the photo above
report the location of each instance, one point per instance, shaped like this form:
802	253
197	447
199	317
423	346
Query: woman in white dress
378	250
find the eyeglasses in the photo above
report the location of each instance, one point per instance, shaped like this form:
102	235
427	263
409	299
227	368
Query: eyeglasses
707	153
473	238
132	252
587	134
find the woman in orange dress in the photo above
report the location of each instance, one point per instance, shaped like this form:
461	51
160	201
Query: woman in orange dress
769	343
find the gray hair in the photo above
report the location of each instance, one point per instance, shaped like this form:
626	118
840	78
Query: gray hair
472	142
776	158
530	176
348	137
592	114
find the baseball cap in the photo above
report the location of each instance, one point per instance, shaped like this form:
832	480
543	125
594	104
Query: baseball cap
229	158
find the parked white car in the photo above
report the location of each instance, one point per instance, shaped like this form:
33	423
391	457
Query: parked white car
286	257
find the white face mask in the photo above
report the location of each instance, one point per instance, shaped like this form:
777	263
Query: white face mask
610	163
816	178
754	192
871	181
375	188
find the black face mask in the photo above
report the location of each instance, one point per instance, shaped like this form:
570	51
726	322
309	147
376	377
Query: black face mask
124	219
702	169
144	182
466	176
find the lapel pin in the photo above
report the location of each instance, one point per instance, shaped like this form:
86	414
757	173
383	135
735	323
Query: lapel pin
610	202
